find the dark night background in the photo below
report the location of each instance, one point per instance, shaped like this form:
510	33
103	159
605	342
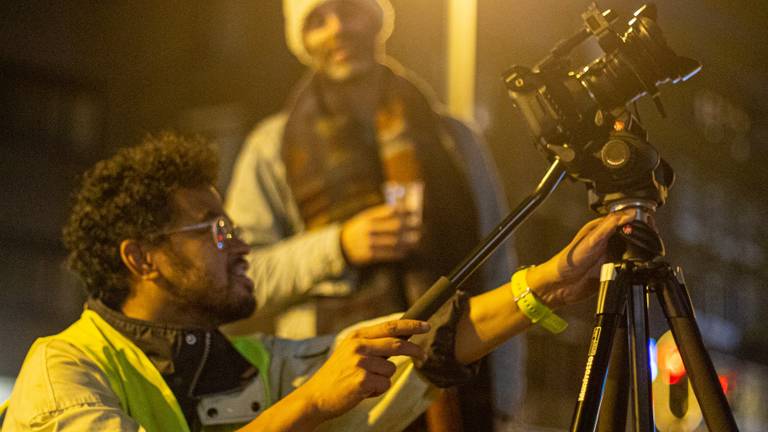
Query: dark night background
79	79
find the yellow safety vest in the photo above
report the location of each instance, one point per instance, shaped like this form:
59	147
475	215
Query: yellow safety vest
142	391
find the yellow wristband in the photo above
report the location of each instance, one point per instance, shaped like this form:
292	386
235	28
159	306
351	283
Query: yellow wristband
531	307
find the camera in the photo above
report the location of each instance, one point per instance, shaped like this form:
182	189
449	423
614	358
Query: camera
580	117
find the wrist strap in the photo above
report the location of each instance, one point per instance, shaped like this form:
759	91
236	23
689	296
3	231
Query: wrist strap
531	307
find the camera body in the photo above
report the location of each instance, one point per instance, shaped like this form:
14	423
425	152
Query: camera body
580	116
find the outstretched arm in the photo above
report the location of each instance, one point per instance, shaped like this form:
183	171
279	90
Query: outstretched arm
566	278
359	369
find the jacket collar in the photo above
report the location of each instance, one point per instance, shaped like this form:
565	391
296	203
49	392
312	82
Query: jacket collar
194	361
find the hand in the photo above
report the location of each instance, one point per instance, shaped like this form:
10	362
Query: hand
379	234
358	367
568	276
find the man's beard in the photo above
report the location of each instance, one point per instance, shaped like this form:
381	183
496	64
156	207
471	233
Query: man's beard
196	292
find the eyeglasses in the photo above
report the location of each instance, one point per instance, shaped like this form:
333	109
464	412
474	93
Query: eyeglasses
222	229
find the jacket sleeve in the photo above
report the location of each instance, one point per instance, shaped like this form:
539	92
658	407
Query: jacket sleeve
287	262
60	389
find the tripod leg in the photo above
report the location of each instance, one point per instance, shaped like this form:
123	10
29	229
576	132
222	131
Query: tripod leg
616	392
637	323
678	309
610	310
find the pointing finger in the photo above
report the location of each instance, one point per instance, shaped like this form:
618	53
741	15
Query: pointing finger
393	328
388	347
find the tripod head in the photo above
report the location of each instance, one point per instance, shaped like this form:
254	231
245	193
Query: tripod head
632	174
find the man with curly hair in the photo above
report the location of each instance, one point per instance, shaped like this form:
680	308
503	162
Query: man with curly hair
164	268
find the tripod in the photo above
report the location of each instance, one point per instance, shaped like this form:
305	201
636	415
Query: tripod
625	286
621	330
626	173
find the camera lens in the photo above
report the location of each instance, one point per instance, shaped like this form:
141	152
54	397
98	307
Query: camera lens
638	63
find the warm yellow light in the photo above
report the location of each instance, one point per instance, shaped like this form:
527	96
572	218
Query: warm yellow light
462	38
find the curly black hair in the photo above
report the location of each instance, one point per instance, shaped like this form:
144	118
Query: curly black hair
128	196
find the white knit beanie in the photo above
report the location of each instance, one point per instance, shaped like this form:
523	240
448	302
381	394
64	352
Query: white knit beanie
296	11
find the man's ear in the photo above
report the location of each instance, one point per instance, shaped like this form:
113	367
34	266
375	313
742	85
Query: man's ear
138	260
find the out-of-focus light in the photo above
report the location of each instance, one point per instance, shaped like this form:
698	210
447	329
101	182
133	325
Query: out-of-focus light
674	364
462	42
724	383
671	367
652	360
675	407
